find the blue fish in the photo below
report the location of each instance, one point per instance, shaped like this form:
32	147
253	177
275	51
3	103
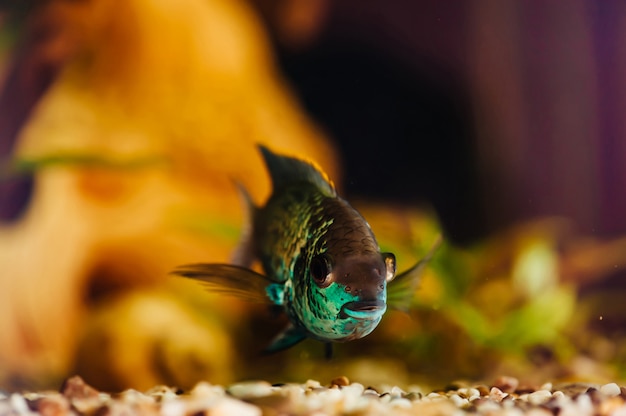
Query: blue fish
321	262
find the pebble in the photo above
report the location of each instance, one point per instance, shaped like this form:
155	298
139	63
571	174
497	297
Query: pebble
18	403
340	381
539	397
229	407
610	389
250	389
497	395
458	400
339	397
506	384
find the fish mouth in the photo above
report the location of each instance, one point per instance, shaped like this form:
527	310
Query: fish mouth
364	309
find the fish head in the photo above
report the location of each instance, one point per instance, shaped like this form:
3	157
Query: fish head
348	294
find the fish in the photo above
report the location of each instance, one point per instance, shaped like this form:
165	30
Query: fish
320	261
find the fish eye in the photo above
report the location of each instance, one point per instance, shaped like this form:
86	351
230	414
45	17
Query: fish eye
321	270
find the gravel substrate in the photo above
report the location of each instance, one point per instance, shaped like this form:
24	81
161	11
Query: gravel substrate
339	397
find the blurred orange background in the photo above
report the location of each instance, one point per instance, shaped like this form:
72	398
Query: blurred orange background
124	125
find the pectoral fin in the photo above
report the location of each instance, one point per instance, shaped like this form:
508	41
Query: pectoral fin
289	337
401	289
229	279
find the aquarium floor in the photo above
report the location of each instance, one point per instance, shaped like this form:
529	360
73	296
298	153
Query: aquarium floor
338	397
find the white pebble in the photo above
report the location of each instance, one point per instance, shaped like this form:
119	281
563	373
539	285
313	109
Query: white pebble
204	389
312	384
251	389
161	394
539	396
463	392
18	403
459	401
396	391
610	389
173	408
228	407
385	398
546	386
496	394
354	389
561	399
473	393
488	407
584	405
135	396
330	395
370	392
400	402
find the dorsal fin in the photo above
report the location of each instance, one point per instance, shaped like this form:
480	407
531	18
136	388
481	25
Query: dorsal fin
285	170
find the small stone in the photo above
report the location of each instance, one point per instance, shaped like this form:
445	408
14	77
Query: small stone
546	386
584	404
497	395
539	396
52	405
312	384
204	389
473	393
385	398
160	393
486	406
506	384
354	389
87	405
413	396
76	388
610	389
18	403
483	390
400	402
397	391
340	381
594	394
250	389
463	392
173	408
459	401
134	396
